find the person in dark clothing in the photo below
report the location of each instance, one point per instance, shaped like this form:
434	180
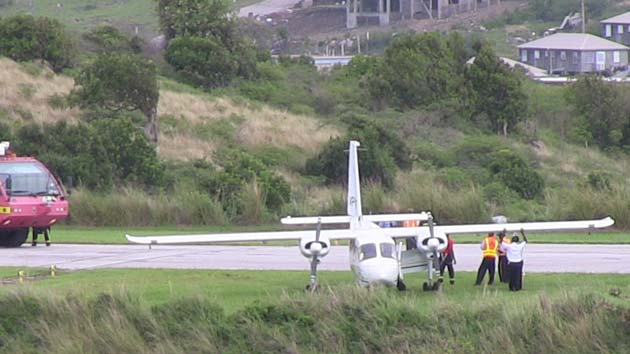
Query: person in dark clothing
447	259
503	269
489	247
514	254
40	230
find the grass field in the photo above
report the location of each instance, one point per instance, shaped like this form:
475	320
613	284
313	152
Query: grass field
115	235
236	289
81	15
154	311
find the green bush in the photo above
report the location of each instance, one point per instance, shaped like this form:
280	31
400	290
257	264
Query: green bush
109	39
25	38
240	170
515	173
95	155
599	180
382	152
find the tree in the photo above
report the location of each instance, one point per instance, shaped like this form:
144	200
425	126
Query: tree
199	18
120	82
202	60
496	91
429	69
204	43
24	37
603	109
94	155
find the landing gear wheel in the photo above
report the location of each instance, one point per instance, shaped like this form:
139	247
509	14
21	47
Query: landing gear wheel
312	288
13	238
400	284
425	286
436	286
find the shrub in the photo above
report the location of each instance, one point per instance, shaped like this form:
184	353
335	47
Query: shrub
599	180
514	172
239	170
383	151
24	38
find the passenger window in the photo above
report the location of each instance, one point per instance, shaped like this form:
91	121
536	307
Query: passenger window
367	251
387	250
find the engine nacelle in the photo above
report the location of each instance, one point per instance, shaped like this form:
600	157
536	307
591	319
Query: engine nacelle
310	248
429	244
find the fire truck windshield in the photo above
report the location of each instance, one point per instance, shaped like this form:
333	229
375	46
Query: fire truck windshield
28	179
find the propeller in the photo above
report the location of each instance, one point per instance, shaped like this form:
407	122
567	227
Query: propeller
312	286
432	243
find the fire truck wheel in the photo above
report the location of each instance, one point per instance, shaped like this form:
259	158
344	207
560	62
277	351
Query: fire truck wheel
13	238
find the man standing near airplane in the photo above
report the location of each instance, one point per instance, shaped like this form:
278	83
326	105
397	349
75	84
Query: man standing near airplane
489	247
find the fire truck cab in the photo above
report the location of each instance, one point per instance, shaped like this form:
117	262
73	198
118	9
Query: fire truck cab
30	197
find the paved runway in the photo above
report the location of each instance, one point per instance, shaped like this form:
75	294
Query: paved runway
538	257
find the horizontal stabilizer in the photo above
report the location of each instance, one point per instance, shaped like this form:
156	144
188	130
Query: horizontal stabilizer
343	219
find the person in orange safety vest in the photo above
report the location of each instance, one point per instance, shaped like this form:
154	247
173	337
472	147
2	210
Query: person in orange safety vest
489	247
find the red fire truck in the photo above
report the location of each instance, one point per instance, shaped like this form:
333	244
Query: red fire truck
30	198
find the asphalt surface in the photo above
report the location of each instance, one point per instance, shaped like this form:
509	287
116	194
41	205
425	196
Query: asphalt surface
538	257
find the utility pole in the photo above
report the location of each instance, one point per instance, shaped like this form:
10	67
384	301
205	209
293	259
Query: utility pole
583	18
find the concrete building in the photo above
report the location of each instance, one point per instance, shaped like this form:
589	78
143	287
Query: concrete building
617	28
574	53
382	12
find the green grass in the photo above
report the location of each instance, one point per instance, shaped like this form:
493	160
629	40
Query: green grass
236	289
154	311
81	15
116	235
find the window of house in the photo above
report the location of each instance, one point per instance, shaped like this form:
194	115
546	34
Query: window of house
536	54
546	53
608	30
628	28
563	55
620	29
589	58
575	57
524	55
616	57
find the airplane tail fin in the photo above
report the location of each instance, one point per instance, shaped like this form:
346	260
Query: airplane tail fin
354	188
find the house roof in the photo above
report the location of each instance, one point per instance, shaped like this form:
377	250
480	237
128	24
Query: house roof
622	19
573	41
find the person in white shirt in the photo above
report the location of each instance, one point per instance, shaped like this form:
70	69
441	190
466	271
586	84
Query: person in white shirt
514	254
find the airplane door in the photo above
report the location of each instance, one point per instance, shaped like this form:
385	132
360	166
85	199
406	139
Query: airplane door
600	61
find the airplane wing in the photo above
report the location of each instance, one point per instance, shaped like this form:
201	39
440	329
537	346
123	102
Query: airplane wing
528	226
344	234
404	232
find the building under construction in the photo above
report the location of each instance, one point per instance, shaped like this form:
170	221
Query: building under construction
383	12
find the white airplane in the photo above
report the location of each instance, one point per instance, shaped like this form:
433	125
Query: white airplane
375	258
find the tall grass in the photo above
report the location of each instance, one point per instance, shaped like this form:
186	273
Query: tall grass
586	203
334	321
133	207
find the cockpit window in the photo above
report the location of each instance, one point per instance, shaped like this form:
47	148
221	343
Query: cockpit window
27	178
367	251
387	250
